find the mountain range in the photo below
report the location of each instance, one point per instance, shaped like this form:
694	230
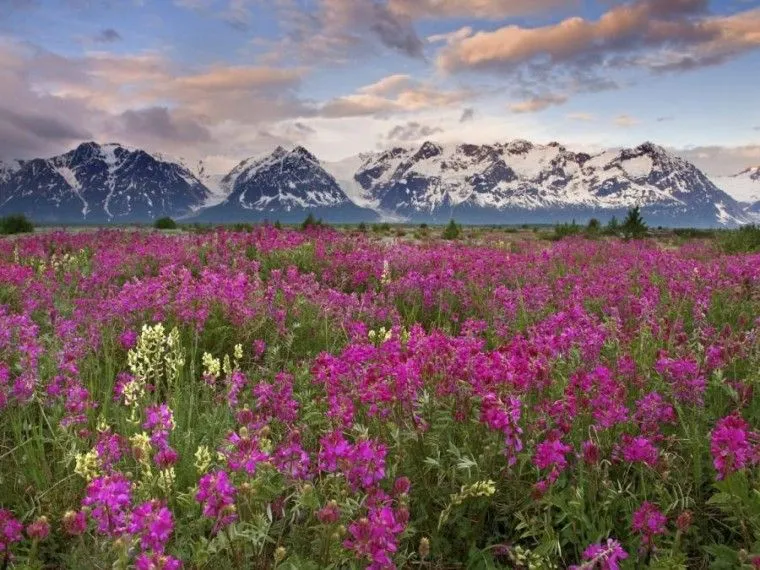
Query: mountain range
502	183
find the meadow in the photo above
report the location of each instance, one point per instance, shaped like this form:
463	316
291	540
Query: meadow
307	399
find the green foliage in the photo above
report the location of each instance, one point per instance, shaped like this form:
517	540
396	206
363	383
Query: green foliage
633	226
311	222
15	224
613	226
695	233
165	224
745	239
381	228
561	231
452	231
362	227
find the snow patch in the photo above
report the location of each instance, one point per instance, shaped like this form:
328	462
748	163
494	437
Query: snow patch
638	167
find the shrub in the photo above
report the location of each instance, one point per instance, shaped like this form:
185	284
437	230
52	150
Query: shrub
165	224
613	226
562	231
381	228
16	224
634	226
742	240
452	231
362	227
310	222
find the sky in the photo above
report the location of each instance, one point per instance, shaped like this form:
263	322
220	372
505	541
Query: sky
223	80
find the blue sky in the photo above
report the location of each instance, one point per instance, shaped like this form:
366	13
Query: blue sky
221	80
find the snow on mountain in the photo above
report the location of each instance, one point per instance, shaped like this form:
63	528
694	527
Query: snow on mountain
505	181
100	183
283	185
743	187
343	172
511	182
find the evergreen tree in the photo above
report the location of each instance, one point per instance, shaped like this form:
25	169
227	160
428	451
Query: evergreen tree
452	231
309	222
634	226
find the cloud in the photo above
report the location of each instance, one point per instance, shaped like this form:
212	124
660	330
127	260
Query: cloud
393	94
107	36
658	35
586	117
451	38
721	160
49	102
225	79
538	103
158	124
388	85
42	126
485	9
468	114
626	121
342	30
412	131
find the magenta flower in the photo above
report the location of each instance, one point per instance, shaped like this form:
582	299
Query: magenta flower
156	561
730	446
39	529
374	538
74	523
504	417
109	499
648	521
292	460
329	514
128	339
333	448
550	454
605	556
216	494
366	464
639	449
243	453
10	531
153	524
166	458
401	486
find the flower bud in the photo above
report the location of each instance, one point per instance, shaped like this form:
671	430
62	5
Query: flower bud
39	529
424	548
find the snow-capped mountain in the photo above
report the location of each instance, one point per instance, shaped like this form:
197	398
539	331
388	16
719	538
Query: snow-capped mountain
100	183
283	185
522	182
743	186
512	182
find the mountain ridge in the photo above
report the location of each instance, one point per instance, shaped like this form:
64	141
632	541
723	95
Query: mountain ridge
505	182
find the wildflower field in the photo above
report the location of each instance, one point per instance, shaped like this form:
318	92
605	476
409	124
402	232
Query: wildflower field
321	399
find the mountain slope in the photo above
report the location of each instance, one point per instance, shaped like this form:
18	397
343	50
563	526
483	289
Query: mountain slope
743	187
519	181
101	183
283	185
